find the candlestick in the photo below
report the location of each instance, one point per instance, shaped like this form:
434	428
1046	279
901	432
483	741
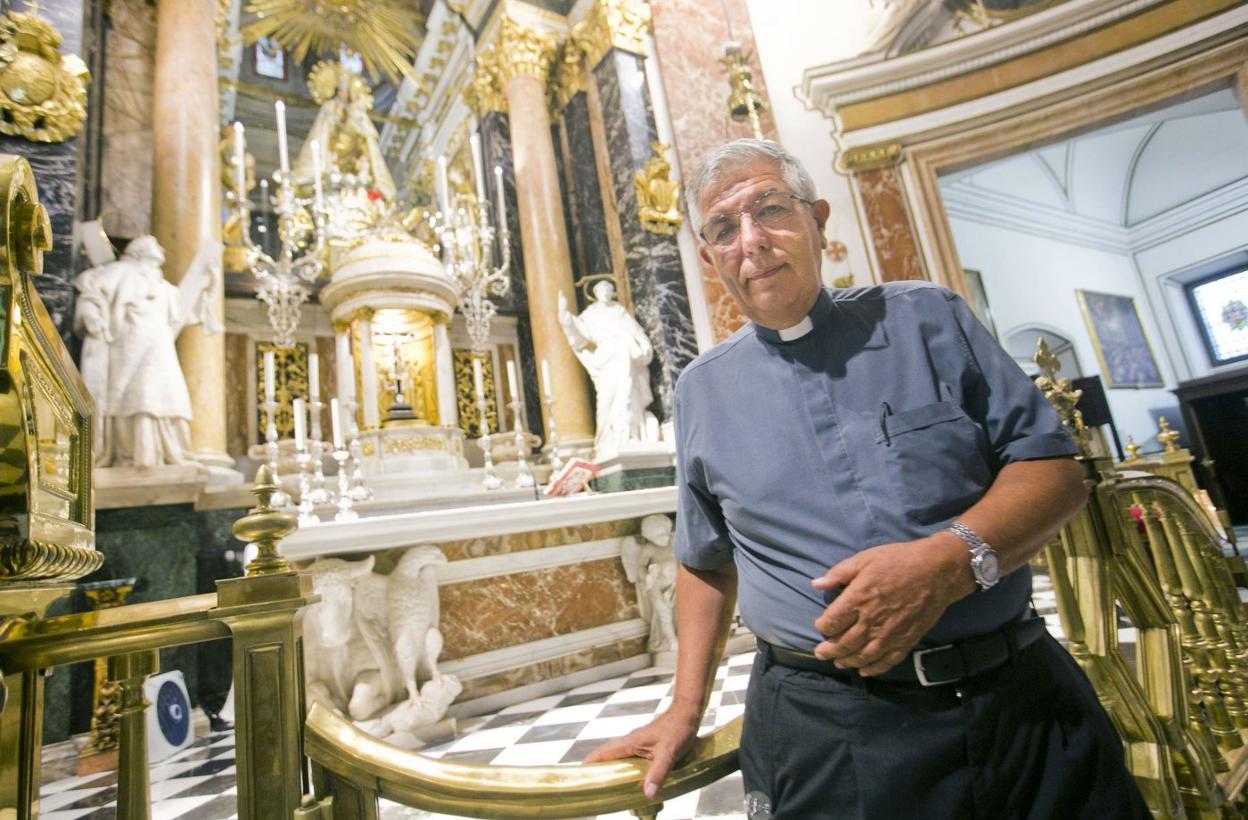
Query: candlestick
474	144
524	476
240	157
283	155
280	498
498	198
268	375
316	448
491	480
552	434
306	506
299	408
314	377
335	418
345	513
443	187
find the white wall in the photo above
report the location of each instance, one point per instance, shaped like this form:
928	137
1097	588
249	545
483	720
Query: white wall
1032	281
793	36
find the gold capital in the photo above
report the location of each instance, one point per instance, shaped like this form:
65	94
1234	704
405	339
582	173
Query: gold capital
621	24
517	50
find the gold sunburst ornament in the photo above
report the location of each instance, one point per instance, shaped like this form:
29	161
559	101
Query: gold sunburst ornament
43	94
385	33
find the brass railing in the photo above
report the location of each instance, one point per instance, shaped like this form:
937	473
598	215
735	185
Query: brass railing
352	771
1144	547
260	612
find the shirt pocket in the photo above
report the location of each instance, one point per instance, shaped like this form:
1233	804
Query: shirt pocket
937	458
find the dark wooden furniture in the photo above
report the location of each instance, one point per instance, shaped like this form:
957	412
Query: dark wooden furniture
1215	409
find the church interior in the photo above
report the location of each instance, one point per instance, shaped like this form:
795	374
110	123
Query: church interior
340	348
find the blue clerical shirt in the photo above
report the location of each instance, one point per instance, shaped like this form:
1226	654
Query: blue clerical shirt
888	419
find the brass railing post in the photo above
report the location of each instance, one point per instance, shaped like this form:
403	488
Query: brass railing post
263	612
133	791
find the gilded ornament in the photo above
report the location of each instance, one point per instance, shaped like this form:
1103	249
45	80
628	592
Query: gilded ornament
869	158
622	24
1062	396
484	93
1167	437
522	51
385	33
265	526
744	101
44	95
658	196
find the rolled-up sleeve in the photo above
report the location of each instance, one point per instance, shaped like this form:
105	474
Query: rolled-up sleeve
1020	423
702	540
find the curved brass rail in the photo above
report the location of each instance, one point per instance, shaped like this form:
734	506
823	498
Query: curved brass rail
351	757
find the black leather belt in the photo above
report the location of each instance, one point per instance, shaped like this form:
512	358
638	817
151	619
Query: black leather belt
937	666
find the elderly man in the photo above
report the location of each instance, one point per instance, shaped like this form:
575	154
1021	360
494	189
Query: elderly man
871	472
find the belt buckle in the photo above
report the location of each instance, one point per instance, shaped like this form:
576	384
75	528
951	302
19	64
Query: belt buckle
921	674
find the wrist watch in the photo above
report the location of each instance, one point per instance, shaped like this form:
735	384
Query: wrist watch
985	566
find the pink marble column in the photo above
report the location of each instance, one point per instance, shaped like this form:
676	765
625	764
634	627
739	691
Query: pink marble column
689	38
888	222
186	196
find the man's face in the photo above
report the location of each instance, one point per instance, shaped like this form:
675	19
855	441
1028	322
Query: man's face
773	272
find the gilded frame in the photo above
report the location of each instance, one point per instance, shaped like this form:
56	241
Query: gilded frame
1132	348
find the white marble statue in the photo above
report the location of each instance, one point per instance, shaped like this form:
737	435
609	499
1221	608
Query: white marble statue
129	317
372	642
616	352
650	564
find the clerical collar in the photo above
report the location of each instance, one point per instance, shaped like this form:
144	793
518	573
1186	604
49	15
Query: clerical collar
818	317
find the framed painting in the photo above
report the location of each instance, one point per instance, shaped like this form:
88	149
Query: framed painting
1118	336
979	300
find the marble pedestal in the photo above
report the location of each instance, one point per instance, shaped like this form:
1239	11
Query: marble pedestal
637	466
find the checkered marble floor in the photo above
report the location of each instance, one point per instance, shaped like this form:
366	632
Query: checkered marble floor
198	783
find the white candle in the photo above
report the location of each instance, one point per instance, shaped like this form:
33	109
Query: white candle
443	199
476	379
511	381
240	158
283	155
474	143
546	378
268	375
498	195
300	409
314	377
336	418
319	200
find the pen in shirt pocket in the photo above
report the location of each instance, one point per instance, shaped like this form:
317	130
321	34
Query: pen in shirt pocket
886	410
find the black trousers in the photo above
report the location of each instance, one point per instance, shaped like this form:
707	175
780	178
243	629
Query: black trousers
1027	740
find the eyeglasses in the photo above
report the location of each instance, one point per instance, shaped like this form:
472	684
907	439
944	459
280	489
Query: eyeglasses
774	209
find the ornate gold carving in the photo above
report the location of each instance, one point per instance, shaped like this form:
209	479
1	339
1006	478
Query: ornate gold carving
658	197
265	526
385	33
466	394
290	381
396	446
744	101
869	158
44	94
1062	396
516	51
1167	437
31	560
105	726
1133	450
568	77
622	24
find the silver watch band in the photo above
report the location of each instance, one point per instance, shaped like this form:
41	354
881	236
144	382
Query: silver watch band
968	536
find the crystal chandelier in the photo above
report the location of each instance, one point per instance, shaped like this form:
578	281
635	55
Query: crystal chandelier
284	281
467	246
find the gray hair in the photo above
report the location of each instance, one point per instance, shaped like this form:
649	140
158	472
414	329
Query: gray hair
730	156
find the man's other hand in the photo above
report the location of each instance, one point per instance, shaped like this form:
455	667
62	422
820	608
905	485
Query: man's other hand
891	596
662	741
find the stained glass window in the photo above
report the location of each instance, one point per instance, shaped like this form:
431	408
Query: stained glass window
1221	307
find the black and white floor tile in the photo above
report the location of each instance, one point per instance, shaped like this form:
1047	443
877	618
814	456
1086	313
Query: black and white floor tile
198	782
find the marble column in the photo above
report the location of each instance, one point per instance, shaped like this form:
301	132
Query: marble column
520	64
368	372
186	197
444	374
656	277
887	217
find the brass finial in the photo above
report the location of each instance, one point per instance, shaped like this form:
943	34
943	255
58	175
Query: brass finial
1133	449
1167	437
265	526
1062	396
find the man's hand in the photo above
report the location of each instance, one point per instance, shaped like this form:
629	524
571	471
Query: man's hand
662	741
892	595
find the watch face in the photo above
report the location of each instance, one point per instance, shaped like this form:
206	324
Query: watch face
987	567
